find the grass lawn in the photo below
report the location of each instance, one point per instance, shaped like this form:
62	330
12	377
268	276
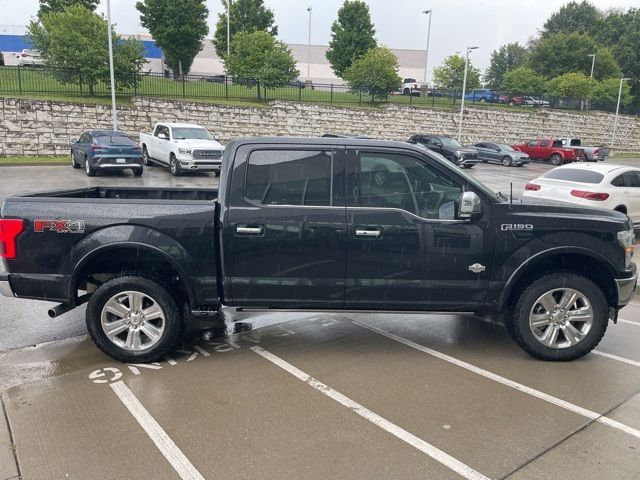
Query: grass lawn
34	160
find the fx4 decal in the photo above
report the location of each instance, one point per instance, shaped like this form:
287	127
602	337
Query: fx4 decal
518	227
59	226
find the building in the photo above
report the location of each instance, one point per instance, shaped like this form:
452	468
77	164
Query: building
311	60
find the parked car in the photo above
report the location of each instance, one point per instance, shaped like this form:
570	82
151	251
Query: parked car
529	101
98	150
500	153
449	148
482	95
591	154
182	147
550	150
615	187
1	59
403	230
29	57
215	78
410	86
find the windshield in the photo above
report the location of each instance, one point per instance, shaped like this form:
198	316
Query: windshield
450	142
184	133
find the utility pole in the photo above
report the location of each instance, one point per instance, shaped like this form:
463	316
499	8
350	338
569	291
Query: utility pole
615	122
309	46
464	88
228	27
114	117
426	57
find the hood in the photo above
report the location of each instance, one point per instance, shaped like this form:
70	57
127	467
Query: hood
198	143
553	208
465	150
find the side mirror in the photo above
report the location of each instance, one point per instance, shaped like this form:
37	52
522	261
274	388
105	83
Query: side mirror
470	205
74	140
162	136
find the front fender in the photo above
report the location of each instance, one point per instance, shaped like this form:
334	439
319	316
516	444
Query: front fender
133	236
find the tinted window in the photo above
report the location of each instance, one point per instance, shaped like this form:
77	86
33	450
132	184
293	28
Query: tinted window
180	133
627	179
400	181
544	143
115	140
574	175
532	143
289	177
481	145
85	138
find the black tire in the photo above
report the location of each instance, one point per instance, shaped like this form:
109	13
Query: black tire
517	320
174	166
450	157
556	159
173	323
146	159
74	164
137	172
506	161
90	171
406	92
467	166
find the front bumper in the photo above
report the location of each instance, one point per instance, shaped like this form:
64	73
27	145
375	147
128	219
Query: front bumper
521	161
5	286
626	288
200	165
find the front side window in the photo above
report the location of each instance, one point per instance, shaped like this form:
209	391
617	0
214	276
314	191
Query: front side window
289	177
544	143
450	142
400	181
532	143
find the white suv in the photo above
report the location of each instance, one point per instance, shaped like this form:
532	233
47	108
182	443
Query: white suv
29	57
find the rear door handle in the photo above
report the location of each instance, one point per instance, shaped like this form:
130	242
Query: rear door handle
373	233
247	230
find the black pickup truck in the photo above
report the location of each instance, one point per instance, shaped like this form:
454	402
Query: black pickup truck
320	224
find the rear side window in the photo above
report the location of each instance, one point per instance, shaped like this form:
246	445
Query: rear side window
627	179
574	175
289	177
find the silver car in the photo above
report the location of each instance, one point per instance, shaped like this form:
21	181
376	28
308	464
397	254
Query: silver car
500	153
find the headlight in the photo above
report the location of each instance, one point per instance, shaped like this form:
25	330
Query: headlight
185	151
628	240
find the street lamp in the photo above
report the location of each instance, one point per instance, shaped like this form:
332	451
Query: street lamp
464	87
593	62
228	27
309	46
114	118
426	57
615	122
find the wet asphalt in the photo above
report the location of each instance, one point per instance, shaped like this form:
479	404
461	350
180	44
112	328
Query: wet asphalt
308	395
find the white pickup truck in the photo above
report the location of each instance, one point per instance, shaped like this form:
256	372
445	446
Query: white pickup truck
181	147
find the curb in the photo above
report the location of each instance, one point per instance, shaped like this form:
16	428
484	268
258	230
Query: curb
34	164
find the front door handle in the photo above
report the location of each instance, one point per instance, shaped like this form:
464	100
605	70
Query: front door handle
247	230
368	233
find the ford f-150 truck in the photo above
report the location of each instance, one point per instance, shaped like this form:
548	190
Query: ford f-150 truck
550	150
182	147
321	224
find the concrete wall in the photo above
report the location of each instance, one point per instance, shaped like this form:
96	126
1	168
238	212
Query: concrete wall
34	127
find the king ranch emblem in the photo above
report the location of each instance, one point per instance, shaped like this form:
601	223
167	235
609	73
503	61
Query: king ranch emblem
58	226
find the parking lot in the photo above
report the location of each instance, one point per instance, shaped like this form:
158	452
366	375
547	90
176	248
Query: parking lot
312	395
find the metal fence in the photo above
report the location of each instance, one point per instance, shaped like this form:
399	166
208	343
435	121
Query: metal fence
47	82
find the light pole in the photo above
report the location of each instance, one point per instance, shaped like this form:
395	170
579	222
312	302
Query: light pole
426	57
464	88
615	122
228	27
593	62
114	117
309	46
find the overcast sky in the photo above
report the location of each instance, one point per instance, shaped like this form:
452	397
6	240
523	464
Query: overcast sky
399	23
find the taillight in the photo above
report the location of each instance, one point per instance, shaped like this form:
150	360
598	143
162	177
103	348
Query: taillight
532	187
9	231
596	151
98	147
590	195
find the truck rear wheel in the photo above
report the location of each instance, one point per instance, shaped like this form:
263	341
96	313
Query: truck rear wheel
134	319
559	317
556	159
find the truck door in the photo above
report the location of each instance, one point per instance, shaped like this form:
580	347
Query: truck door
406	247
285	234
159	145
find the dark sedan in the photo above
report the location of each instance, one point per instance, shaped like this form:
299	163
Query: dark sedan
500	153
106	150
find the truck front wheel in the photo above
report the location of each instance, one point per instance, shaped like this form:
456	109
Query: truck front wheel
134	319
559	317
174	166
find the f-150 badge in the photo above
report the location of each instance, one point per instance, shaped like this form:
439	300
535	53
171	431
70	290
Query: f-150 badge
518	227
59	226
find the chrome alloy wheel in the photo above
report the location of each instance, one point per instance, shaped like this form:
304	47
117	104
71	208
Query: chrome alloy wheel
561	318
133	321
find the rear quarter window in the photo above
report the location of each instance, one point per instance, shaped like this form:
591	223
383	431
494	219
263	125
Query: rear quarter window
574	175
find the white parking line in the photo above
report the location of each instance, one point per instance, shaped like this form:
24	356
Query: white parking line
630	322
509	383
616	357
167	447
438	455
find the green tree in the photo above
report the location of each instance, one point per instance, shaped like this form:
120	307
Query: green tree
246	16
576	85
257	59
352	35
375	74
48	6
178	28
523	80
569	52
74	42
506	58
450	74
606	91
579	17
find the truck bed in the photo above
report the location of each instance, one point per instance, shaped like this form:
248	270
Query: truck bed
176	194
